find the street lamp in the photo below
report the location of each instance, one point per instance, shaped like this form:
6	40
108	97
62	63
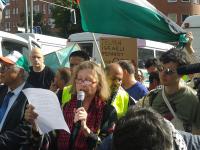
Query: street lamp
26	16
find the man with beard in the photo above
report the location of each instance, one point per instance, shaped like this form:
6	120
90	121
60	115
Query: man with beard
119	98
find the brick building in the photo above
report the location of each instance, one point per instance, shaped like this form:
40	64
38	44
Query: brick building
177	10
14	14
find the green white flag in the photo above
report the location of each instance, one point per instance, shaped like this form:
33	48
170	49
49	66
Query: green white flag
131	18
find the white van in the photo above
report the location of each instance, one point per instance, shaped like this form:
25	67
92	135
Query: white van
192	24
10	42
47	43
146	48
56	55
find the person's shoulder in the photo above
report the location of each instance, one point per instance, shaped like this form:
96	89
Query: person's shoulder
30	69
47	68
3	88
190	90
190	93
139	85
122	91
147	100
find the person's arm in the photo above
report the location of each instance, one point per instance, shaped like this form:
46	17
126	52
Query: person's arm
107	126
13	139
35	137
188	46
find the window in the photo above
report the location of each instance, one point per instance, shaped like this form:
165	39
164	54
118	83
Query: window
183	17
36	8
13	11
87	47
185	0
44	9
51	22
16	11
7	26
159	53
49	9
9	46
170	1
7	13
143	55
195	1
173	16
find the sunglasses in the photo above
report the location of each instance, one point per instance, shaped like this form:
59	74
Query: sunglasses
166	71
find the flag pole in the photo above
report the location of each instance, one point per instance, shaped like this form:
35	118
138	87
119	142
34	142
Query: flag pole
98	49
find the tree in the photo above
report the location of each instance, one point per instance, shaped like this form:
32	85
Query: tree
62	18
37	21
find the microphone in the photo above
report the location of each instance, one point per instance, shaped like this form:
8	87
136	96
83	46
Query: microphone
80	98
73	136
189	69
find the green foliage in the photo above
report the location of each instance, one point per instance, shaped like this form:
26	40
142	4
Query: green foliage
62	18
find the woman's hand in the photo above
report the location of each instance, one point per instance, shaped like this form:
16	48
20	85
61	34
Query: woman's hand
31	116
81	115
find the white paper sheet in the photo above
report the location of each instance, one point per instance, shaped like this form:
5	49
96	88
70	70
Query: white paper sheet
47	107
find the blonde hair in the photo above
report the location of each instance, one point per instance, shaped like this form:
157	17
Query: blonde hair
103	90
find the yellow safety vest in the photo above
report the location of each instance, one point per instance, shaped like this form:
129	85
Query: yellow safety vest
66	95
121	102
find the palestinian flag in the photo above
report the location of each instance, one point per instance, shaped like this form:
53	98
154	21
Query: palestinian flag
131	18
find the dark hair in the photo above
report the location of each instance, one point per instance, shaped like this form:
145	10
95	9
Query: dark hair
154	76
127	65
151	62
142	129
65	74
81	54
174	55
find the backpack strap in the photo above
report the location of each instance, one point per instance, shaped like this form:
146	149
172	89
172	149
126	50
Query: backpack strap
151	96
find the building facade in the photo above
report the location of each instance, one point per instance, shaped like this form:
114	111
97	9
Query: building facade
14	14
177	10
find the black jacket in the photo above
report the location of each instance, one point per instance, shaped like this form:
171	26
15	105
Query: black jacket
16	131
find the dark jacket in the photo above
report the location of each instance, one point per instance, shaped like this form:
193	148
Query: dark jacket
15	131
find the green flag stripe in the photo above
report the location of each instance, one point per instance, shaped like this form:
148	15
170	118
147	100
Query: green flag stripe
122	18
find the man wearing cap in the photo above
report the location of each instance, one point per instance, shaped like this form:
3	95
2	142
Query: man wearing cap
14	131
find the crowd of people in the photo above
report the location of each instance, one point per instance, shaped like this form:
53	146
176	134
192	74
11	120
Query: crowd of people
118	111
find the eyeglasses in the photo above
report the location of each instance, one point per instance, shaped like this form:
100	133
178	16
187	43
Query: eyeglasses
4	68
166	71
84	82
